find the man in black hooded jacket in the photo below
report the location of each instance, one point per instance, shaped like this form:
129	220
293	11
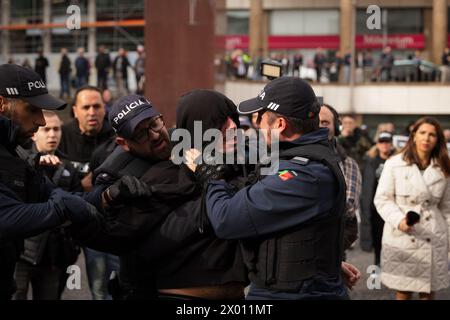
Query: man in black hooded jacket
165	246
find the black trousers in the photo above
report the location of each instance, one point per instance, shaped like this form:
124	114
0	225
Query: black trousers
45	281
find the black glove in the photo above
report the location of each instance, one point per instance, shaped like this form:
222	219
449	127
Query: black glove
73	208
207	172
126	189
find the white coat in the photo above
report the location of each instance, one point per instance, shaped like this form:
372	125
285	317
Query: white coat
416	262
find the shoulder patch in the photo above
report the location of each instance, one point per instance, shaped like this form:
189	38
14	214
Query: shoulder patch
300	160
287	174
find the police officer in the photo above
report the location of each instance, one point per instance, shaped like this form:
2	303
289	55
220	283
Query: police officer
292	221
29	204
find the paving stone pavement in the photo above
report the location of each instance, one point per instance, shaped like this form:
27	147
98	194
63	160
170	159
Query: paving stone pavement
362	260
355	256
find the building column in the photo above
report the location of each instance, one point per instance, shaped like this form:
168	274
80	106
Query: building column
180	36
47	32
92	33
220	68
256	28
6	14
428	33
439	33
346	25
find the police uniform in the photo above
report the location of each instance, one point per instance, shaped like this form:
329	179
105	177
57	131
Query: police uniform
29	204
291	222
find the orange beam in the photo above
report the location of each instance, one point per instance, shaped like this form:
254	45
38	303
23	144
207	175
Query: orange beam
97	24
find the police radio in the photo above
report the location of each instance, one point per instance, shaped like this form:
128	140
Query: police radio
271	69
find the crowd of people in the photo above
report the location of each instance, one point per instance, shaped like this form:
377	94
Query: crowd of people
105	184
110	72
333	67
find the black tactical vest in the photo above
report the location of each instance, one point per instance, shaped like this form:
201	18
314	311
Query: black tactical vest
120	163
282	261
24	181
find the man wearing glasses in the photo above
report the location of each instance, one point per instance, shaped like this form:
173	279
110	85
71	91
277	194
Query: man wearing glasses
140	160
142	141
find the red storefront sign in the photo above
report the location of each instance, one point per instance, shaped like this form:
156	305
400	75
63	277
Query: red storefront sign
399	41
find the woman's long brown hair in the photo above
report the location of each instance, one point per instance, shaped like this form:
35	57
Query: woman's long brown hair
439	153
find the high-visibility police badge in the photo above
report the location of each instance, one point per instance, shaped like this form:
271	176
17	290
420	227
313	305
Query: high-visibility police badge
287	175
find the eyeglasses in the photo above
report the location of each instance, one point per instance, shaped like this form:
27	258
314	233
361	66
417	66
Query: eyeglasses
154	126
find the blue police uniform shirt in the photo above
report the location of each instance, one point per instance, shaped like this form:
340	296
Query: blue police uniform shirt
297	193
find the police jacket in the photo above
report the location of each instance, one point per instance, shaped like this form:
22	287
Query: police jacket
291	222
29	204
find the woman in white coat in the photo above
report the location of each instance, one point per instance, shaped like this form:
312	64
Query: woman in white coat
415	258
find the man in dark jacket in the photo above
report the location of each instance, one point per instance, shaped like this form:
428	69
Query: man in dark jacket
40	66
82	67
80	138
87	131
102	63
371	222
29	204
47	255
120	68
65	71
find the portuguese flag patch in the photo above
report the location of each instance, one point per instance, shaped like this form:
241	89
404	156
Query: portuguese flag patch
286	174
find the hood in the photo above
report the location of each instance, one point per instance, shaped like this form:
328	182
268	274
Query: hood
8	133
208	106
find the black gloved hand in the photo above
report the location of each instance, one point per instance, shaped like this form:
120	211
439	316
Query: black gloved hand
207	172
126	189
73	208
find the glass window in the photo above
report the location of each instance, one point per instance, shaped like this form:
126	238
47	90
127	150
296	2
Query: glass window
304	22
406	21
119	10
30	10
126	38
238	22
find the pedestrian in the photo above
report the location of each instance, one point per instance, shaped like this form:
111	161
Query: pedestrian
139	70
82	67
65	71
371	222
102	64
413	198
40	66
120	67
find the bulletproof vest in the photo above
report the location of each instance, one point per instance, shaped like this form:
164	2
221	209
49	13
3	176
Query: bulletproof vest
20	177
120	163
24	181
283	260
